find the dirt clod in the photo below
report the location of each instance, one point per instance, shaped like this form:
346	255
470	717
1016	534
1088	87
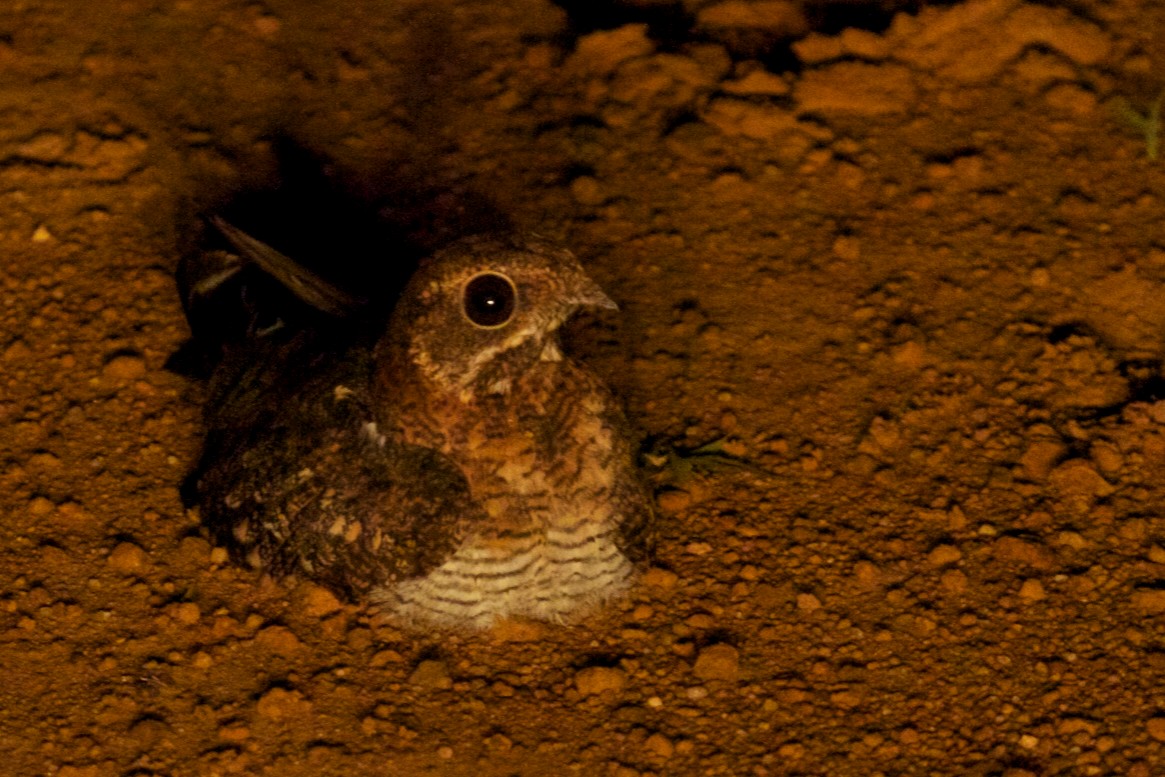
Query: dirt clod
718	662
432	675
124	367
127	558
280	703
597	680
904	261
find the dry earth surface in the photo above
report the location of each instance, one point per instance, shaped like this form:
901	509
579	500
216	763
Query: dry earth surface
912	273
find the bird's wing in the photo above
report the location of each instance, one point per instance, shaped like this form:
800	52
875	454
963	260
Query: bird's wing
296	476
305	285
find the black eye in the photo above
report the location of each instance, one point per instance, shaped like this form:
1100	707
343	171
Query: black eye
489	300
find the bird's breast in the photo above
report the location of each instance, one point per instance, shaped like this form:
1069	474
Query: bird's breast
541	466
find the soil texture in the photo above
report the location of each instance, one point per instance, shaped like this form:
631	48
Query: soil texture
906	278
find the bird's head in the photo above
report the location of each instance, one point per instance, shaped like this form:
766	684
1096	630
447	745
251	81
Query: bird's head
478	314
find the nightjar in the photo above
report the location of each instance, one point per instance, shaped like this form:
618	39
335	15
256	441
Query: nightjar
451	464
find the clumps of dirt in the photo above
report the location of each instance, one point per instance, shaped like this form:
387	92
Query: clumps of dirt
909	278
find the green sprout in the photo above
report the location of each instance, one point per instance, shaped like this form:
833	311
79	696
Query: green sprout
1148	123
674	466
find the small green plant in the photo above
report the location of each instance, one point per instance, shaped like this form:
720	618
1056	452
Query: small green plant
1147	123
671	466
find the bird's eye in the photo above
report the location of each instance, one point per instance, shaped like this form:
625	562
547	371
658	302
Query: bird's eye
489	300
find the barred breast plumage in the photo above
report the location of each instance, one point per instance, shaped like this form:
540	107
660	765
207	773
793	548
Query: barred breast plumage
453	466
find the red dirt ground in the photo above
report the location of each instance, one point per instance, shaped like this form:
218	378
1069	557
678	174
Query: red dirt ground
915	277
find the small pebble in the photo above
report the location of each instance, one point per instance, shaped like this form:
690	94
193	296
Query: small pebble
1149	601
280	703
126	558
234	733
1013	549
1041	457
660	578
317	601
673	501
808	603
943	555
867	575
791	751
596	680
1077	477
68	770
953	581
659	746
124	367
499	743
278	639
587	191
385	657
194	550
701	620
1032	591
186	613
1107	457
718	662
431	674
514	630
267	26
40	506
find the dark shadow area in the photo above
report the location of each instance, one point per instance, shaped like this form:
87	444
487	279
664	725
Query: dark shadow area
672	25
829	17
360	230
668	23
362	238
1146	379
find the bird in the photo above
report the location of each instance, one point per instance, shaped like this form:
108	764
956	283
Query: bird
446	462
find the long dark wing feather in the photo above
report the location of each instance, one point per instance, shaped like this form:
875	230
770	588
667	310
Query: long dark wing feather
308	286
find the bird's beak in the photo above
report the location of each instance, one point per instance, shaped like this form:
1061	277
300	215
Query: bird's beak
590	295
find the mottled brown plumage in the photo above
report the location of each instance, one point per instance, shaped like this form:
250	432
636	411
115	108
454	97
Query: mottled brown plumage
455	468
